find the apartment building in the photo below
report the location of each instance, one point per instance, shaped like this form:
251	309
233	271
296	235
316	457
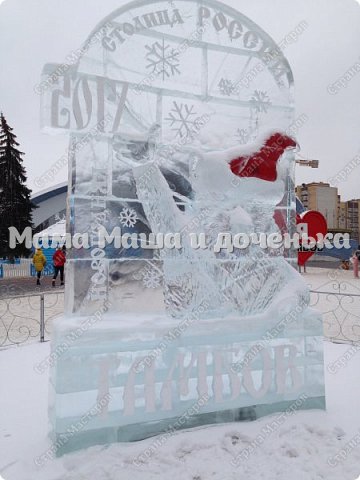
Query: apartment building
341	216
353	218
323	198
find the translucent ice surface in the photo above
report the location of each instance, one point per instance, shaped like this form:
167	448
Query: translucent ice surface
180	116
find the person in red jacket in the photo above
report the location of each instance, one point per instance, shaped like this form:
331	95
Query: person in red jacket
59	259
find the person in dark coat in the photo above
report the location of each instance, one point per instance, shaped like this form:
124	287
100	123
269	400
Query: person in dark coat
59	259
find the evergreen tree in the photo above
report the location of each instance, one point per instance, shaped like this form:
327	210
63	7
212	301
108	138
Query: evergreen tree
15	204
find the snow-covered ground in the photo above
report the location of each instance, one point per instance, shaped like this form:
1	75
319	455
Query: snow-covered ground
305	445
329	279
308	445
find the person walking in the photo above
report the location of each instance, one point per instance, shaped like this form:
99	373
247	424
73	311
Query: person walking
39	262
355	262
59	259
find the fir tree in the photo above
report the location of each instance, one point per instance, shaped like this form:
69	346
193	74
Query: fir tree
15	203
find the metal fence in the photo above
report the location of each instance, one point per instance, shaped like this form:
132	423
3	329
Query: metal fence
28	318
339	303
24	268
18	269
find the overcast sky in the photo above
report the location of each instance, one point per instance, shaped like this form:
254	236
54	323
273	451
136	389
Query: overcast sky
35	32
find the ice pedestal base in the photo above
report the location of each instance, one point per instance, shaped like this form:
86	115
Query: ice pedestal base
112	384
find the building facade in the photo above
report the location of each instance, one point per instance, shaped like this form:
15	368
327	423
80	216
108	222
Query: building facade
322	198
343	213
51	206
340	216
353	218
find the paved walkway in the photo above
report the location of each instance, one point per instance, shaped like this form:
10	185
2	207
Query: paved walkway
11	287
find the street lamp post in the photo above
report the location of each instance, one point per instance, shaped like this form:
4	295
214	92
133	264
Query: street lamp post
308	163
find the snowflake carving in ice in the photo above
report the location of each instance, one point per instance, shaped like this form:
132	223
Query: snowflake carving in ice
243	135
180	118
227	87
261	101
163	59
128	217
151	279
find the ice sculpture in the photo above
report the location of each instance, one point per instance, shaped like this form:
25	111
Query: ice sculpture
180	117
